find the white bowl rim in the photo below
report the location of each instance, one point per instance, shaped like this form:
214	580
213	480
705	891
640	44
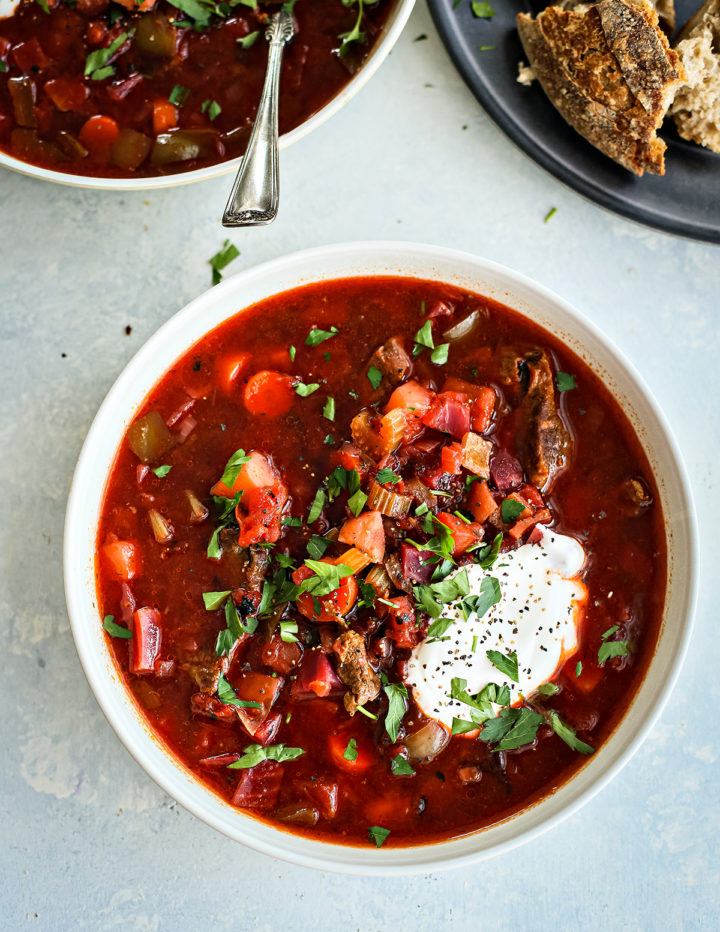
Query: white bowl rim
395	24
324	855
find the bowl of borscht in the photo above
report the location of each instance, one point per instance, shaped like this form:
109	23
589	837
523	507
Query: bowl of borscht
380	558
123	94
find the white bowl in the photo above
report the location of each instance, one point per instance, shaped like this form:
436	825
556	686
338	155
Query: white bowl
393	27
351	260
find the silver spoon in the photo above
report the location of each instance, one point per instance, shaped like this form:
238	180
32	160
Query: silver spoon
256	191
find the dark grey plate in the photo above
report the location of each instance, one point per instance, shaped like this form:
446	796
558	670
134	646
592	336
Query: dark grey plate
685	201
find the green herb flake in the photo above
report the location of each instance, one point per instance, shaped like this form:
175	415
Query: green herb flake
249	40
328	440
356	502
317	506
510	509
228	695
221	259
179	95
397	706
351	752
400	767
329	408
304	390
288	632
115	630
483	48
505	663
424	336
375	377
564	381
548	689
461	727
212	108
317	546
316	336
161	471
96	64
291	352
578	668
609	649
256	754
482	9
378	834
364	711
233	468
568	735
440	354
550	214
214	600
385	476
610	631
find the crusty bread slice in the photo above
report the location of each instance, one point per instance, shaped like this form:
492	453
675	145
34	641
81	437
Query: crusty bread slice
696	108
665	10
610	72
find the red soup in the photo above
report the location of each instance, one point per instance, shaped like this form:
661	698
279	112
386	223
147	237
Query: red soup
124	89
381	561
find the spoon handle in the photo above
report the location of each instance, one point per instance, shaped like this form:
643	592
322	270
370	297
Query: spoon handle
255	193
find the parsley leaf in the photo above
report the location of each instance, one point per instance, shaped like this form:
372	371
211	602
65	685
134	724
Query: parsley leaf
461	727
564	381
505	663
233	467
512	728
228	695
329	409
375	376
317	506
548	689
288	632
568	735
179	95
610	631
292	352
291	521
305	390
609	649
249	40
550	214
161	471
96	64
223	258
378	834
351	752
397	694
487	555
482	9
424	338
212	108
440	354
326	577
510	509
256	754
578	668
400	767
115	630
356	502
316	336
384	476
215	600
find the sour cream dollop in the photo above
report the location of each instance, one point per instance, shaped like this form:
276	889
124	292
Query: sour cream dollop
8	7
537	617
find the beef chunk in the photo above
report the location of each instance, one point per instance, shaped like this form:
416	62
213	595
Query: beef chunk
544	440
392	360
355	670
205	667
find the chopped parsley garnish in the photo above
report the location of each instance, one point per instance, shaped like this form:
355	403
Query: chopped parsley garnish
228	695
215	600
317	506
609	649
550	214
225	508
548	689
233	467
505	663
578	668
315	337
96	64
564	381
115	630
212	108
375	377
317	546
356	502
385	476
329	408
482	9
291	521
249	40
256	754
461	727
480	706
610	631
288	632
221	259
568	734
179	95
304	390
351	752
377	833
423	338
397	696
326	577
512	728
161	471
440	354
400	767
510	509
364	711
328	439
291	352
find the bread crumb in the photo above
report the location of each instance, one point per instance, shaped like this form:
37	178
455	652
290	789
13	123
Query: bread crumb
526	75
696	107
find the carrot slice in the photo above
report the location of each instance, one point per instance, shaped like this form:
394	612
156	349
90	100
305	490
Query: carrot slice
269	394
164	116
257	473
367	533
99	133
482	503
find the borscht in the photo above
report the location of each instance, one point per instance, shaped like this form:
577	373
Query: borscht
381	561
119	88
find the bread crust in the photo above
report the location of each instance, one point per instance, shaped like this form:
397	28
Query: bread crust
609	71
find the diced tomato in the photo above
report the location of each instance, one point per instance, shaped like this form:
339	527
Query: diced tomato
316	677
338	742
269	394
258	516
269	728
482	504
333	606
451	458
257	473
258	787
366	532
122	558
450	413
29	56
98	134
522	525
400	623
68	94
415	565
259	688
146	640
164	116
464	535
411	396
324	794
351	457
233	367
281	656
481	410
